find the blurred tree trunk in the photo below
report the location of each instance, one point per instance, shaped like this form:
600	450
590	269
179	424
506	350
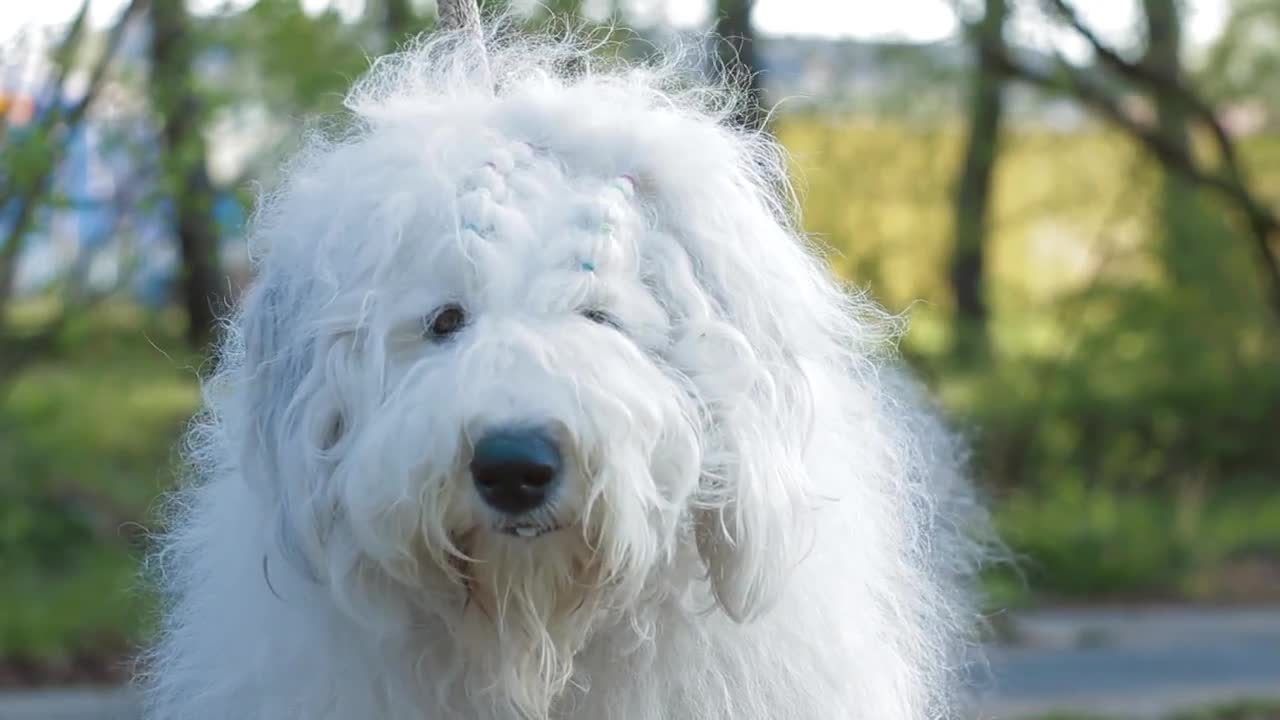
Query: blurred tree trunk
973	188
398	18
1181	215
186	176
739	61
399	22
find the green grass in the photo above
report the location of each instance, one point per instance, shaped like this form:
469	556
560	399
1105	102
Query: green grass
1076	543
1243	710
87	438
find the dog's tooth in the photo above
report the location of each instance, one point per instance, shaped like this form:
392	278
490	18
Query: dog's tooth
526	532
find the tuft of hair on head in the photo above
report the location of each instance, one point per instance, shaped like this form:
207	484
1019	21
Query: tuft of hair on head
462	65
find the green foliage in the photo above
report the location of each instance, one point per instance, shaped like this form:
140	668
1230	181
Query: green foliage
90	605
1243	710
1153	391
1126	420
1074	543
1078	542
1105	371
25	158
1243	65
85	442
296	63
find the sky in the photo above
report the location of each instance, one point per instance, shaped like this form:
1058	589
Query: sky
916	20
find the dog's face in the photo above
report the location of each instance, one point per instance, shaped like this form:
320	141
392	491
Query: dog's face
521	389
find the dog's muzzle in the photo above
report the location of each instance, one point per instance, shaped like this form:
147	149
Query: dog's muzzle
516	470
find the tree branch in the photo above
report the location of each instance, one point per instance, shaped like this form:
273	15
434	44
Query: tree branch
29	192
1263	222
1162	83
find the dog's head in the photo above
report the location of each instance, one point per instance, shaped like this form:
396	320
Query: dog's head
529	360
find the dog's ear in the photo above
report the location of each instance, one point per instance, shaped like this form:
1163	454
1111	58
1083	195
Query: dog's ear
762	332
756	315
754	482
277	363
748	534
273	370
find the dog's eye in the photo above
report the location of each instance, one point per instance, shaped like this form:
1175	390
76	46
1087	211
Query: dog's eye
600	317
447	321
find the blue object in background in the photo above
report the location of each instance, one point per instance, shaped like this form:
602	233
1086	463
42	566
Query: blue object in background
109	177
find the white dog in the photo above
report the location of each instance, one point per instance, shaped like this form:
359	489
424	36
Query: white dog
540	407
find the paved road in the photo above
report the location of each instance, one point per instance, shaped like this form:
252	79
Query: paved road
1135	663
86	704
1130	664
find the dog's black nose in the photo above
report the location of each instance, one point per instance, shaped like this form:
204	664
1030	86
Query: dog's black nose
516	470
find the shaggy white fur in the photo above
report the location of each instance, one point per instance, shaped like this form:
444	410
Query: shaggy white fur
759	518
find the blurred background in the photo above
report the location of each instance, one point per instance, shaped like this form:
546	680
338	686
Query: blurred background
1075	202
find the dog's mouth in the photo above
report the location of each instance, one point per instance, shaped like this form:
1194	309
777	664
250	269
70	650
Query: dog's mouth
527	531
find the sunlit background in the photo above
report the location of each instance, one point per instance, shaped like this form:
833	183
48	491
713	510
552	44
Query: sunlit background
1075	202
